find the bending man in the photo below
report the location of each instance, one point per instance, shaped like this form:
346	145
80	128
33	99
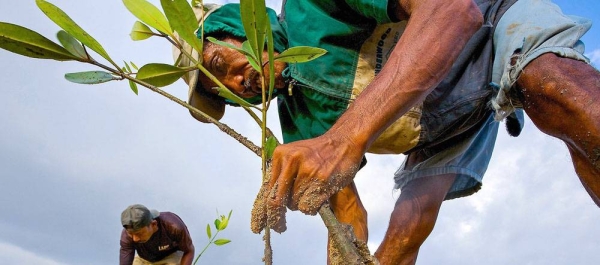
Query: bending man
451	71
158	238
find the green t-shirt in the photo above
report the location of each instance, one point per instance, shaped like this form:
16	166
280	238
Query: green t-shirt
338	28
359	37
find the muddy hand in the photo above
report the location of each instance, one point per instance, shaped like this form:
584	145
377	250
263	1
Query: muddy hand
263	215
260	214
304	174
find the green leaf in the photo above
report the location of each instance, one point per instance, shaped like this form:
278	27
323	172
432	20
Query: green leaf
300	54
228	218
255	20
217	223
221	241
23	41
224	222
208	231
222	225
134	66
65	22
71	44
133	87
230	46
149	14
90	78
223	92
140	31
247	50
127	68
270	53
160	75
183	20
270	146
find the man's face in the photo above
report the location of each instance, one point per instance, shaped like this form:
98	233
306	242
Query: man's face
233	70
143	234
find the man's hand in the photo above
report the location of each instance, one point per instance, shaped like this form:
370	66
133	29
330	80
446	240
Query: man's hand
303	176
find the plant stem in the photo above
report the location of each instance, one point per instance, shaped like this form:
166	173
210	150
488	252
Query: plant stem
268	258
223	127
346	248
206	247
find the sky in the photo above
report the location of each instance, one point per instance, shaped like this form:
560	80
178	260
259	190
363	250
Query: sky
72	157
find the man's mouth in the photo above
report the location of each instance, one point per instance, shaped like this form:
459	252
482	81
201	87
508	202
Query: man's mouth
252	85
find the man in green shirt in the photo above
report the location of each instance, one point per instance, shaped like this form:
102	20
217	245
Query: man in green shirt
439	72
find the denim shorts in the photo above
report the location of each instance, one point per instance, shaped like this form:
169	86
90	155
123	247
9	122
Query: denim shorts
528	29
467	157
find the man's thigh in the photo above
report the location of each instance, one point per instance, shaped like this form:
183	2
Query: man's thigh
527	30
173	259
139	261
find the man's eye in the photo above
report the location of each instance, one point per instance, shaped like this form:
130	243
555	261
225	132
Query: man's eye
220	66
214	65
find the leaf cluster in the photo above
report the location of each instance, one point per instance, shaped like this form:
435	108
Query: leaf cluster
178	22
220	225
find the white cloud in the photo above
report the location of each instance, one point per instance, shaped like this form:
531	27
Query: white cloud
594	57
10	254
465	228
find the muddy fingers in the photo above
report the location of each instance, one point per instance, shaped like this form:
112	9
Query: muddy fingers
276	210
258	220
267	211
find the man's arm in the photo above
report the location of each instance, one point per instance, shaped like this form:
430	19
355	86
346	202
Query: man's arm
306	173
186	245
127	251
188	256
178	231
436	32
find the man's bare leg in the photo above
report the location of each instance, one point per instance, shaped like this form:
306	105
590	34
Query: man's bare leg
413	219
561	97
582	167
348	209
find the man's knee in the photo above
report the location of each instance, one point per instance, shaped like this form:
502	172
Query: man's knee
417	208
416	213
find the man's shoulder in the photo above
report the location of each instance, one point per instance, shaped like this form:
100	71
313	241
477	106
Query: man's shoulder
172	226
169	217
171	221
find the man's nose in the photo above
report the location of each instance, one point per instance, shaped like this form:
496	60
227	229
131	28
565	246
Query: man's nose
136	238
235	83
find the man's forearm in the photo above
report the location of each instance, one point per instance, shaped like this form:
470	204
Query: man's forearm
436	32
126	256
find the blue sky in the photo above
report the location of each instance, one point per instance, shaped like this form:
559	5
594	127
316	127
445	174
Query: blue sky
72	157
